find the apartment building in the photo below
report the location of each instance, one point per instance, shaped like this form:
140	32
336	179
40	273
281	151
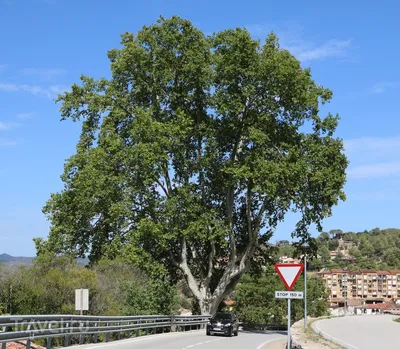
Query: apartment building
367	285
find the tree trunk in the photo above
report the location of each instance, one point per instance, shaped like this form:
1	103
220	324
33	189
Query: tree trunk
209	303
209	306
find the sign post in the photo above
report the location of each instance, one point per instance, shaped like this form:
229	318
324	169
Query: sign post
289	273
289	339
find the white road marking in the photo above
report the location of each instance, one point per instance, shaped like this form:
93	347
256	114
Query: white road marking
268	341
334	338
201	343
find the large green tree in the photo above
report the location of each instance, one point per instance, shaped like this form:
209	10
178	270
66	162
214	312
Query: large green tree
192	153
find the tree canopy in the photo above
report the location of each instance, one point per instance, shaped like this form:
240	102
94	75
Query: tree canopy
192	153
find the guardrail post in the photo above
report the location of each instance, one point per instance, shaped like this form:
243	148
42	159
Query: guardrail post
28	341
107	334
48	345
95	335
173	325
128	333
66	338
80	332
4	345
119	332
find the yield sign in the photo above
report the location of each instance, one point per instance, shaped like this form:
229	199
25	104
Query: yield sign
289	273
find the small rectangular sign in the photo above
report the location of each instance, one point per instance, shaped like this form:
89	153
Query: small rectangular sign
289	294
82	299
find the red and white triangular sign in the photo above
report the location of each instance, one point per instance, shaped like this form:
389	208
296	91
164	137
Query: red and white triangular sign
289	273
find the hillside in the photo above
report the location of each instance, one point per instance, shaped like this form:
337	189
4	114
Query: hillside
375	249
6	258
11	260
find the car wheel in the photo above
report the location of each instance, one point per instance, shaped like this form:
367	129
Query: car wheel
230	333
236	333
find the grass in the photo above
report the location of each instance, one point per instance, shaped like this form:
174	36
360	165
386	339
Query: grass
397	319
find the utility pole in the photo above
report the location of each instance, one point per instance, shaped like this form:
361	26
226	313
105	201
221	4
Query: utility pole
305	245
305	290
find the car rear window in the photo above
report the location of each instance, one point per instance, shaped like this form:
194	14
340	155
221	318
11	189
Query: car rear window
222	317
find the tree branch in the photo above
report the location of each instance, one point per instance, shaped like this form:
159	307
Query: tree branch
161	184
183	265
167	179
232	242
211	257
230	195
253	234
201	174
248	208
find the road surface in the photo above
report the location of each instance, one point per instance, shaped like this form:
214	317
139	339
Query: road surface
193	340
361	332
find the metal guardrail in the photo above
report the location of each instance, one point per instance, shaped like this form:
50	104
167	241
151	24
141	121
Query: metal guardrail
263	327
29	327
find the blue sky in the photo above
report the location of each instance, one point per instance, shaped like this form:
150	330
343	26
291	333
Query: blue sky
46	44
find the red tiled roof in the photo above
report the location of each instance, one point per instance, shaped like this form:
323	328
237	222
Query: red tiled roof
358	272
383	306
338	271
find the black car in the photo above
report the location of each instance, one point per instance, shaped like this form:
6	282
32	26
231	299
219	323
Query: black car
223	323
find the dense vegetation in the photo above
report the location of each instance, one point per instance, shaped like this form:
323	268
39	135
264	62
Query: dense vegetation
192	153
375	249
115	288
119	288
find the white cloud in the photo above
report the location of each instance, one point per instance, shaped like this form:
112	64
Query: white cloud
49	92
292	38
372	157
45	74
382	144
6	143
4	126
331	48
375	170
25	116
384	86
8	87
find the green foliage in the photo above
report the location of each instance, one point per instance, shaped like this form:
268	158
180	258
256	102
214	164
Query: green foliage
255	299
115	288
333	244
193	152
375	249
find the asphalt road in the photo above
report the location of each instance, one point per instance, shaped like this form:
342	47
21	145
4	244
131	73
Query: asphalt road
192	340
361	332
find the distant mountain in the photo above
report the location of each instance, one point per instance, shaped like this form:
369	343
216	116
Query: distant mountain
7	259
